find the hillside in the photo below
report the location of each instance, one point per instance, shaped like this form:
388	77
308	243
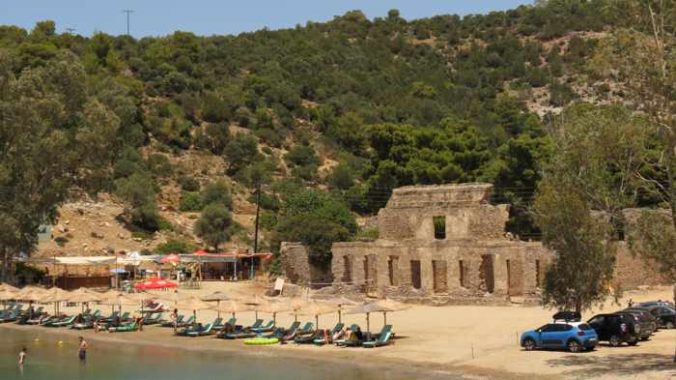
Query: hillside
349	109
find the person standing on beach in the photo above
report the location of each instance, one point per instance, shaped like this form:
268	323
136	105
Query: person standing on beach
82	353
22	357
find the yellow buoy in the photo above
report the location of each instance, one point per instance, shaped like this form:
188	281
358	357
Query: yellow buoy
59	343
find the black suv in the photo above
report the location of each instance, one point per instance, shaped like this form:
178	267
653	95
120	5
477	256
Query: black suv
646	325
666	316
615	328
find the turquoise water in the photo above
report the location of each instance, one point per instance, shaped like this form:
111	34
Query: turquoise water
108	361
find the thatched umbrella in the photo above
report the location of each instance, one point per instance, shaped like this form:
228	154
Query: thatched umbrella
275	306
315	309
341	302
231	307
5	286
115	298
256	303
194	304
54	295
83	296
6	295
31	293
216	297
380	306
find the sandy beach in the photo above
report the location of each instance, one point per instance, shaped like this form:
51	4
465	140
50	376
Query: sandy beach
479	341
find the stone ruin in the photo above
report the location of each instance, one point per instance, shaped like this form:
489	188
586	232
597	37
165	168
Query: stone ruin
442	241
441	244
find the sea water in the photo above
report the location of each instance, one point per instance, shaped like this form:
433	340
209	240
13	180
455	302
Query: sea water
49	359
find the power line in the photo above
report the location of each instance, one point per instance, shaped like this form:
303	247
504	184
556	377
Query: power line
128	12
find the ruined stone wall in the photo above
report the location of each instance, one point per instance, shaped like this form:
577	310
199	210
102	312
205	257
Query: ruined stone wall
410	212
295	263
519	277
631	271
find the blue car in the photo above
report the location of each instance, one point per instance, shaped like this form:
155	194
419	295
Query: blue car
573	336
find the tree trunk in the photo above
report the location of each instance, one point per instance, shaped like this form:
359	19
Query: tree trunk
5	266
578	305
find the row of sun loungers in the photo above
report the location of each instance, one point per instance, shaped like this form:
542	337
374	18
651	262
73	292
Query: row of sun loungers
117	322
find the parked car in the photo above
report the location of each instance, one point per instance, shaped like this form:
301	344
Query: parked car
646	326
656	303
615	329
666	316
647	315
573	336
568	316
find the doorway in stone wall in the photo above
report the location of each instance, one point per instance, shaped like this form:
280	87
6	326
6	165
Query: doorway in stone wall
440	273
392	268
347	270
486	274
415	274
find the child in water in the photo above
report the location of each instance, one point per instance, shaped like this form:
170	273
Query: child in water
22	357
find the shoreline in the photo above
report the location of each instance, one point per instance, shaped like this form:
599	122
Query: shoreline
334	355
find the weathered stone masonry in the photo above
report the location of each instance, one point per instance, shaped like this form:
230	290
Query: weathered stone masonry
466	254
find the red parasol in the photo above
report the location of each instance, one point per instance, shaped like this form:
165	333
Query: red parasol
154	283
200	252
171	258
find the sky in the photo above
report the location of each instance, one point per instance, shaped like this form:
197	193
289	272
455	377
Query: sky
209	17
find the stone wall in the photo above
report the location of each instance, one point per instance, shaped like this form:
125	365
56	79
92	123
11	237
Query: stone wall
512	267
631	271
410	212
295	263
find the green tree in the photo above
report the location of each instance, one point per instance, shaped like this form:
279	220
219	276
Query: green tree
217	192
138	190
580	274
44	114
240	152
214	225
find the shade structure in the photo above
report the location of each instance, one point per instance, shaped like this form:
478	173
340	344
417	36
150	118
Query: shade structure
155	283
315	309
379	306
31	293
171	259
341	303
115	298
171	298
255	303
6	295
230	307
54	295
82	296
275	306
5	286
194	304
217	297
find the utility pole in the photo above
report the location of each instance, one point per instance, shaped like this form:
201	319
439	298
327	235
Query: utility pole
258	209
128	12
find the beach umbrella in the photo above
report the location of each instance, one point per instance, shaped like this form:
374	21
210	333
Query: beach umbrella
54	295
315	309
83	296
154	283
380	306
5	286
255	303
231	307
275	306
6	295
387	305
341	302
194	304
31	293
217	297
115	298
